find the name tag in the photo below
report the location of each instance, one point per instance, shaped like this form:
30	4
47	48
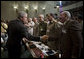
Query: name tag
64	31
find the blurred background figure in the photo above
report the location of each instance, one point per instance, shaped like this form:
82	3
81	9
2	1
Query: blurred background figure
4	35
30	26
35	28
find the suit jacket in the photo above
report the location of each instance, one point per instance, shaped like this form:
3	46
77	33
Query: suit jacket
16	31
71	39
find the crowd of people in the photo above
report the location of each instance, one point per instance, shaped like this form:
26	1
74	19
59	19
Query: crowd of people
4	36
62	33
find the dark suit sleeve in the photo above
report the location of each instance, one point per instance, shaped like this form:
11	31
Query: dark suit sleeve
76	37
24	33
45	27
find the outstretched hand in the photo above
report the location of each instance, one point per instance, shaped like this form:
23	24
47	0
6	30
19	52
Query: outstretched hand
44	37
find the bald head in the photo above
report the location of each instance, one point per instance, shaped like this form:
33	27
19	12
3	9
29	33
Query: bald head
41	15
30	19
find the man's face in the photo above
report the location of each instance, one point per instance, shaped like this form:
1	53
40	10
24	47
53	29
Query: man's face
24	18
35	19
62	17
40	18
49	17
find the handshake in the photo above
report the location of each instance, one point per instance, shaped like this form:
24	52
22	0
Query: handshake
44	37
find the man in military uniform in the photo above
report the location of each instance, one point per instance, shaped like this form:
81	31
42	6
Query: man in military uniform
53	31
42	25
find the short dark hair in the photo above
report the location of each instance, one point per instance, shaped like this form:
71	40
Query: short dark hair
51	14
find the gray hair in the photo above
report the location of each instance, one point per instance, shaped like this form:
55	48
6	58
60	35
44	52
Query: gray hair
21	14
67	13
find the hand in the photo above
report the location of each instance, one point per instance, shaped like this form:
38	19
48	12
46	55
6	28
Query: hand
25	40
27	25
54	20
44	37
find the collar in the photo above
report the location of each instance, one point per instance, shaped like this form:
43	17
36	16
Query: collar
20	20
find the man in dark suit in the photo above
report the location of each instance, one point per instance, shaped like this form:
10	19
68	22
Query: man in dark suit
16	32
71	38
